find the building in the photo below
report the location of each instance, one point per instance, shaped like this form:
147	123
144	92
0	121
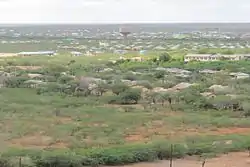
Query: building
74	53
46	53
214	57
239	75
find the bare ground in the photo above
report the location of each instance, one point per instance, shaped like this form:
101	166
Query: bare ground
37	141
28	67
8	55
228	160
161	130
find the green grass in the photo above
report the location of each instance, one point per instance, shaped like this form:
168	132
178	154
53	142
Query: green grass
61	59
86	122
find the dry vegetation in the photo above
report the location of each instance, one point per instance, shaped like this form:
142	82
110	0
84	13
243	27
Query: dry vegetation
76	107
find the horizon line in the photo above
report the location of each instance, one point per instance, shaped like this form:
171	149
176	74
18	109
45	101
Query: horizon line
120	23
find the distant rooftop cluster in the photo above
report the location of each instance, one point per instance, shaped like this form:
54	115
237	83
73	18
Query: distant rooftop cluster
215	57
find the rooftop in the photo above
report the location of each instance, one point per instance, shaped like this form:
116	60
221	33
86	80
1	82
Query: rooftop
37	53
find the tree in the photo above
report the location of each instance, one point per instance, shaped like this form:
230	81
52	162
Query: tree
131	96
164	57
102	88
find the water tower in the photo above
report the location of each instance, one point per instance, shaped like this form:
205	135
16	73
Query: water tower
124	32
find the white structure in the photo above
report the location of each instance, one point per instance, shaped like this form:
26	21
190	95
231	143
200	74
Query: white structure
239	75
47	53
74	53
213	57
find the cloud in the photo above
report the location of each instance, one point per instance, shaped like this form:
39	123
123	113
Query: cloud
93	2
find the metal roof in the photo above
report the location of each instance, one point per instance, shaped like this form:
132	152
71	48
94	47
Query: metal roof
76	53
37	53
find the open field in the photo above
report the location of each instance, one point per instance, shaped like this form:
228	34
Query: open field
30	121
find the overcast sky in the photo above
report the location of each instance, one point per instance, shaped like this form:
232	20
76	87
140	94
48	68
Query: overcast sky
120	11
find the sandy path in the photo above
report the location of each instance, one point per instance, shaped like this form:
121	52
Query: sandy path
230	160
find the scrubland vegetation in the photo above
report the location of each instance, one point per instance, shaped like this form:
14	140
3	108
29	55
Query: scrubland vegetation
76	111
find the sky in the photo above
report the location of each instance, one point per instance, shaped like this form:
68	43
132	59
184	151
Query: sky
123	11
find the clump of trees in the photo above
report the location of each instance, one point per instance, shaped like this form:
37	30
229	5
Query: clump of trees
163	58
125	95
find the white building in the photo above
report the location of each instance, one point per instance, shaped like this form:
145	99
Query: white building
46	53
213	57
74	53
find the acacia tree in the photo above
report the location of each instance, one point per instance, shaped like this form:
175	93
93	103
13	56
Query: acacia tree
102	88
167	97
131	96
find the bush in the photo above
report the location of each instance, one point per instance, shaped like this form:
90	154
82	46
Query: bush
134	153
58	161
55	87
159	74
119	88
65	79
130	96
164	57
130	77
50	79
15	82
146	85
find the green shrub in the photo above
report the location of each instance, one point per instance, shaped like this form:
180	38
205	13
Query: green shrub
119	88
146	85
164	57
15	82
58	161
159	74
134	153
64	79
130	77
130	96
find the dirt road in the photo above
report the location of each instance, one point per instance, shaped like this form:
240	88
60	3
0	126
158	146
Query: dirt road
231	160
